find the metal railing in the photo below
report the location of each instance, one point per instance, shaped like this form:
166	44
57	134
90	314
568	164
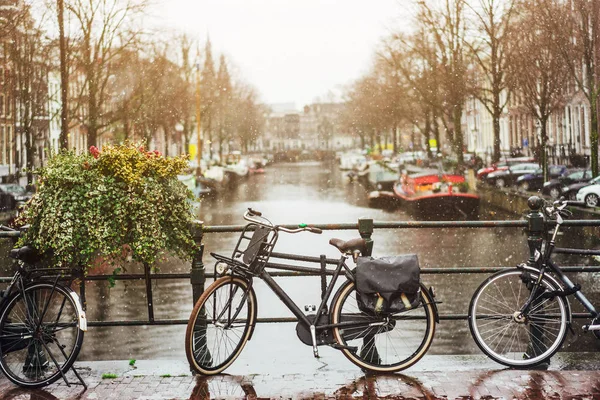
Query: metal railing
534	224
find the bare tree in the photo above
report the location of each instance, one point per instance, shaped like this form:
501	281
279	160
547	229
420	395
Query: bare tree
249	119
29	58
364	115
444	21
107	29
575	25
187	72
208	97
224	108
415	59
492	23
537	71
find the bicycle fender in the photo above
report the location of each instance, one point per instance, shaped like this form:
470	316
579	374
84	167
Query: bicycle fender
253	294
80	312
431	292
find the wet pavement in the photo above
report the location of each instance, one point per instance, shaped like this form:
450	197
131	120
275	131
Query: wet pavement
573	376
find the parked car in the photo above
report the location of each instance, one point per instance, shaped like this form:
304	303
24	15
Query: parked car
570	192
590	194
509	176
501	166
555	187
535	182
411	157
18	192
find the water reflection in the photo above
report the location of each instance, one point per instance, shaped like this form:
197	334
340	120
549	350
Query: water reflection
223	386
311	193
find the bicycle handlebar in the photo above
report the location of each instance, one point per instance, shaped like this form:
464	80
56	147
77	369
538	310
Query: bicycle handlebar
558	209
254	212
248	216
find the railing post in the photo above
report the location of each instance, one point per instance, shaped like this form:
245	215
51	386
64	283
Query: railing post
197	271
535	227
149	300
365	228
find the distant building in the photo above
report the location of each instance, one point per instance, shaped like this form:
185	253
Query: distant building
316	127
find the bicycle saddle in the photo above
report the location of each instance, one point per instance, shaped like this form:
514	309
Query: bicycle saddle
350	246
27	254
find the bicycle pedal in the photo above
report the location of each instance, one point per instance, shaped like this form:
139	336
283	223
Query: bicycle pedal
310	307
587	328
338	346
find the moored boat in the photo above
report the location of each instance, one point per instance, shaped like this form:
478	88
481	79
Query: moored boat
432	195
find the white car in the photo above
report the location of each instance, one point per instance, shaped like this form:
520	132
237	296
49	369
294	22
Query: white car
590	194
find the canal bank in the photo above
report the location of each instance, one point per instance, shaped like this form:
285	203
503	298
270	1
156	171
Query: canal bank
515	204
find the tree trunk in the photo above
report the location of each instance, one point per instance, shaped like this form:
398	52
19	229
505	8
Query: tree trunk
436	133
427	134
92	126
64	80
30	145
496	122
594	134
458	136
543	156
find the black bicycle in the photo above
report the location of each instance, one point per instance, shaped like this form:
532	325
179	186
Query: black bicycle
225	315
519	317
41	322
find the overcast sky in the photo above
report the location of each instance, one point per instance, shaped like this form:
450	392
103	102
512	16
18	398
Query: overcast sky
290	50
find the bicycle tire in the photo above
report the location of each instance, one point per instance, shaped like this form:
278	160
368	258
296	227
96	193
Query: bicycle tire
534	338
207	353
408	342
40	335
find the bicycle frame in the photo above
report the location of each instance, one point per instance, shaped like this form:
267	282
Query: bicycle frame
546	262
293	307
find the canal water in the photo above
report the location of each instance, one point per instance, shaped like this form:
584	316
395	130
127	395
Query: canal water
311	192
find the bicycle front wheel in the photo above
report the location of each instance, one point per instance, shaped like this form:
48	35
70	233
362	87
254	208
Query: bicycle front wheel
40	335
220	325
505	335
383	343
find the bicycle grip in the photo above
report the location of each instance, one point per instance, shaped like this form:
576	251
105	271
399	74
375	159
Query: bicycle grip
576	203
315	230
254	212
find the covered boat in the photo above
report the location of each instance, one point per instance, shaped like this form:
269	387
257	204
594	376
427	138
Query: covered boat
431	195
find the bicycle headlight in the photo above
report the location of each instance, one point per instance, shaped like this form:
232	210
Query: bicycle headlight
547	183
220	268
565	189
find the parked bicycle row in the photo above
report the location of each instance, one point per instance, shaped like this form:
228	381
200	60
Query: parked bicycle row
382	317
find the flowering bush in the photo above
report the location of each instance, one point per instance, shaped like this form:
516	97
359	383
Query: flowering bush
116	203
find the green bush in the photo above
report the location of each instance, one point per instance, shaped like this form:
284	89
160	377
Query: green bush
121	203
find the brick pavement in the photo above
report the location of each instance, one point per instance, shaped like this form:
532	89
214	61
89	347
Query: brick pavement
448	383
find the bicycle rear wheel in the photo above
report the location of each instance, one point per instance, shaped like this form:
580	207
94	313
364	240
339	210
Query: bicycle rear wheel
505	336
220	325
40	335
383	343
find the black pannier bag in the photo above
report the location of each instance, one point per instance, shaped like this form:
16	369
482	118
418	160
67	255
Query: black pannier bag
387	285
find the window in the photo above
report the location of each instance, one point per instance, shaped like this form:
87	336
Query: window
576	175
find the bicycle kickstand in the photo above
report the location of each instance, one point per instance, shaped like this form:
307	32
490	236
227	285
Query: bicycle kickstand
79	377
313	336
